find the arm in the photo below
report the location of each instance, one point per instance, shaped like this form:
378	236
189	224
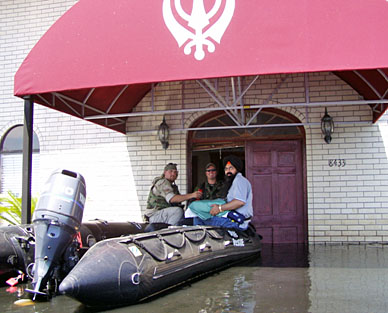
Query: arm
232	205
181	198
165	189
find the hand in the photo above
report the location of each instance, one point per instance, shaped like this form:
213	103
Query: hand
197	194
214	210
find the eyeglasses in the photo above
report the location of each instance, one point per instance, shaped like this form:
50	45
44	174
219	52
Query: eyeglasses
212	170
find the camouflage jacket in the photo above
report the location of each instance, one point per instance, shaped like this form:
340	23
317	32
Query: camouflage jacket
211	192
161	187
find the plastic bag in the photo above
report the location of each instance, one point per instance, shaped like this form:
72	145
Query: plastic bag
202	208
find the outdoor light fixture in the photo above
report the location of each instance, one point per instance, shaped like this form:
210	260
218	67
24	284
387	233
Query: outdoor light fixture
327	126
163	134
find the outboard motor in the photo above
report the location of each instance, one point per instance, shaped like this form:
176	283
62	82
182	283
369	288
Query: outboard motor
56	220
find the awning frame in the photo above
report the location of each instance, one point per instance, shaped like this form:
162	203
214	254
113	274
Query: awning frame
231	108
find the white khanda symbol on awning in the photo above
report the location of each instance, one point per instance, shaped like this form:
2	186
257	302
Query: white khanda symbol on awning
198	21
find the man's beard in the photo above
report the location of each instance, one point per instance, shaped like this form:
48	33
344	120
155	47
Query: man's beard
229	178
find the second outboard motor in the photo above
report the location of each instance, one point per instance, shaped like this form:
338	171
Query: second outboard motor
17	246
57	219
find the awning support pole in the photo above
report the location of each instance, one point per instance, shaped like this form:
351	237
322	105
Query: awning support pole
183	103
307	94
242	113
27	158
246	106
153	97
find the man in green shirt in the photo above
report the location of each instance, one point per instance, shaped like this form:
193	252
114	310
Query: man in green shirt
163	204
211	188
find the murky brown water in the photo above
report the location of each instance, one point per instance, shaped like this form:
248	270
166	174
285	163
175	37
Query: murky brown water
316	279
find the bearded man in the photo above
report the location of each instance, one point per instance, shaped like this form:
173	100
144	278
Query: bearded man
238	197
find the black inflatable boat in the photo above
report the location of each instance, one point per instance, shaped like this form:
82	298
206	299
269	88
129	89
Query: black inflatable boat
122	271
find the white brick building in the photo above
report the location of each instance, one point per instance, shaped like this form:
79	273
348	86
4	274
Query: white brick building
345	182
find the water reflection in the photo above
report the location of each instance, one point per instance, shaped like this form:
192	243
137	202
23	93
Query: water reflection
349	279
287	278
284	255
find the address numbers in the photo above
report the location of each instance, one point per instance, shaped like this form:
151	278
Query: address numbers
337	162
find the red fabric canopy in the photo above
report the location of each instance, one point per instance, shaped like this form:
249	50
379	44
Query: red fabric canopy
108	44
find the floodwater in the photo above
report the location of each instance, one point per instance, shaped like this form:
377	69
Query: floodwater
287	278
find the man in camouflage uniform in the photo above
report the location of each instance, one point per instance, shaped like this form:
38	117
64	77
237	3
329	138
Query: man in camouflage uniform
211	188
163	204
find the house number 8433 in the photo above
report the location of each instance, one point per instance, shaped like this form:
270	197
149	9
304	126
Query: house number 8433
337	162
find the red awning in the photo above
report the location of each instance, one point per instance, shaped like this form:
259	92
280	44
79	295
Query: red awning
102	56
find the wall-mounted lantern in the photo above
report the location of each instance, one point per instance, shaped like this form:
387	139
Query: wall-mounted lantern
164	134
327	126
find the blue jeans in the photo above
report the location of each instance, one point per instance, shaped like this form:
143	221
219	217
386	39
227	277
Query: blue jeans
216	221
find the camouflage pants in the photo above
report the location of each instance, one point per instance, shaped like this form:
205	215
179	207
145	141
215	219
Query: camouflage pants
170	215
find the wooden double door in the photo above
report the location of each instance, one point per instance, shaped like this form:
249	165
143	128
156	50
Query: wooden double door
275	170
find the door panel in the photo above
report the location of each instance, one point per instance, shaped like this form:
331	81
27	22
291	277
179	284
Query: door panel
287	234
263	203
275	171
287	194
